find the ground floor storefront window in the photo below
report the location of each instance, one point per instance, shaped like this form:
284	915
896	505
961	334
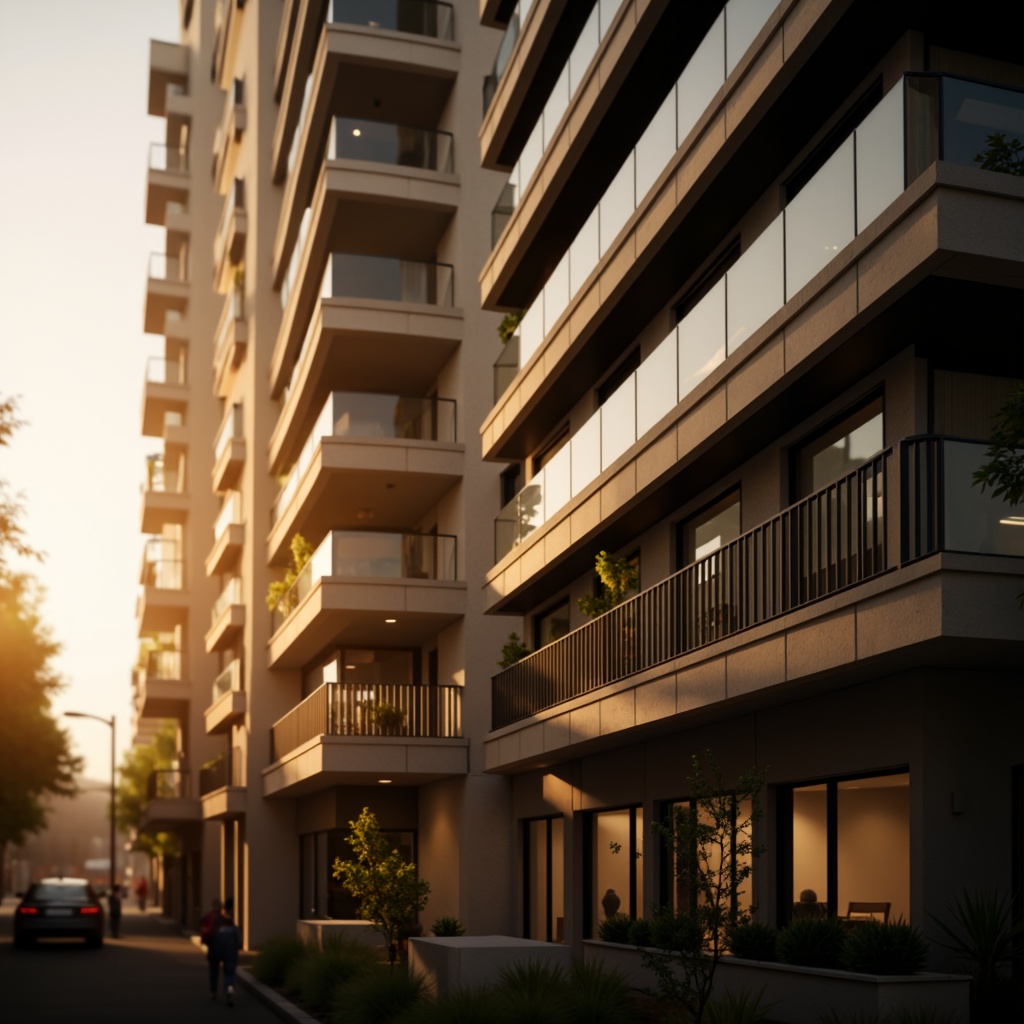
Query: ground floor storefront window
615	882
845	848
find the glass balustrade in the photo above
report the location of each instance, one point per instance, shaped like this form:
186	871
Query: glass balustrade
165	371
231	512
162	566
231	594
231	429
353	138
163	664
355	276
419	17
233	202
228	680
362	415
370	555
166	267
168	158
162	478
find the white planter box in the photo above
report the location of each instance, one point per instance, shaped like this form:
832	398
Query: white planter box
467	961
314	932
798	995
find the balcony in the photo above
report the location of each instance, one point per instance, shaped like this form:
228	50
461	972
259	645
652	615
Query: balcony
230	340
405	303
165	391
163	497
171	805
228	136
813	590
167	290
228	617
389	458
354	733
227	703
167	182
168	75
222	787
161	690
229	450
163	603
229	239
228	536
375	180
377	589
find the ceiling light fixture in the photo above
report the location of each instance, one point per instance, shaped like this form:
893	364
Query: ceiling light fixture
390	621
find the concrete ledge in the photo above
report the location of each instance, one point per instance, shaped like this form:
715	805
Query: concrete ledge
274	1002
470	960
314	932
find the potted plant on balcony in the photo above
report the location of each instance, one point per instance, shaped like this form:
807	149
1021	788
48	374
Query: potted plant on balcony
280	596
389	718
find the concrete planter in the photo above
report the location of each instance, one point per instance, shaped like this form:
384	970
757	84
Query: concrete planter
313	932
799	995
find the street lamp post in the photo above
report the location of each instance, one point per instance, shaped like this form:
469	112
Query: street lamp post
113	767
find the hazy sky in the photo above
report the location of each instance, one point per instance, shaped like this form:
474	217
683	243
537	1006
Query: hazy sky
74	139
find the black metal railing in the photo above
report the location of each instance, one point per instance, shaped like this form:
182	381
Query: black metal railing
224	770
168	784
432	18
822	544
377	709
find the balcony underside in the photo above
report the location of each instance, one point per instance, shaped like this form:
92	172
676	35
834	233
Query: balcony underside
168	814
226	711
354	483
352	610
163	297
329	761
228	467
157	401
224	804
160	507
159	610
224	631
372	346
163	187
164	698
226	549
949	609
168	65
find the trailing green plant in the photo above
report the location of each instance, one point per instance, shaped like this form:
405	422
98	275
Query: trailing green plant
377	997
389	892
752	940
314	977
615	928
388	717
509	325
276	955
514	650
738	1008
875	947
640	932
447	927
811	942
280	594
712	850
980	933
619	578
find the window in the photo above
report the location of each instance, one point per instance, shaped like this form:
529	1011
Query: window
616	862
550	450
550	625
544	880
846	842
618	376
839	449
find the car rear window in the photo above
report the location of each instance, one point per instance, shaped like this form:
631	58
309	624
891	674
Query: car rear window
61	893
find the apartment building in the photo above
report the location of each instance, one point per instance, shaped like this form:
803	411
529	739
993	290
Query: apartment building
325	211
770	302
771	281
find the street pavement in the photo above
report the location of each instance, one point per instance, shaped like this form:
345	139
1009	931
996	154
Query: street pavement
152	974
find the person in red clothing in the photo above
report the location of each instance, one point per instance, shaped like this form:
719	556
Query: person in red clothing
141	889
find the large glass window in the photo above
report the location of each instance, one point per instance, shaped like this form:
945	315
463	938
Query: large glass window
840	449
849	845
543	862
550	625
616	865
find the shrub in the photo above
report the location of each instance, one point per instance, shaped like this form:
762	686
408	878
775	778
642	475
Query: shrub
535	993
275	957
379	996
314	977
811	942
640	932
681	932
447	927
615	928
481	1005
876	948
901	1015
753	941
598	995
736	1008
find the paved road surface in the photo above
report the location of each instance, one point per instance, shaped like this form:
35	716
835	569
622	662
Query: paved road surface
151	975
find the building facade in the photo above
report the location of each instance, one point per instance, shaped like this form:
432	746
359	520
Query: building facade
739	249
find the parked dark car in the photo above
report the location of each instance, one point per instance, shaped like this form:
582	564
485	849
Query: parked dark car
59	908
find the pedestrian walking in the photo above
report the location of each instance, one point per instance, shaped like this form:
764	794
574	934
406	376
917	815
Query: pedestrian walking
114	911
141	889
225	942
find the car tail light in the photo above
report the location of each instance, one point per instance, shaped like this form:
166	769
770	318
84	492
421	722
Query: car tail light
89	910
28	910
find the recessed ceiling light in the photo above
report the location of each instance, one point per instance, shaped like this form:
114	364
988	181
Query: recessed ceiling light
356	132
391	621
384	782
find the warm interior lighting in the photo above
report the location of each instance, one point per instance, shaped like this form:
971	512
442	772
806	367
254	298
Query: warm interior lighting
356	132
384	782
1012	521
391	621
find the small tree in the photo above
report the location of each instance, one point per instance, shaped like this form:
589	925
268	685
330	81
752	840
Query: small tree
389	892
279	593
512	651
712	846
619	578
